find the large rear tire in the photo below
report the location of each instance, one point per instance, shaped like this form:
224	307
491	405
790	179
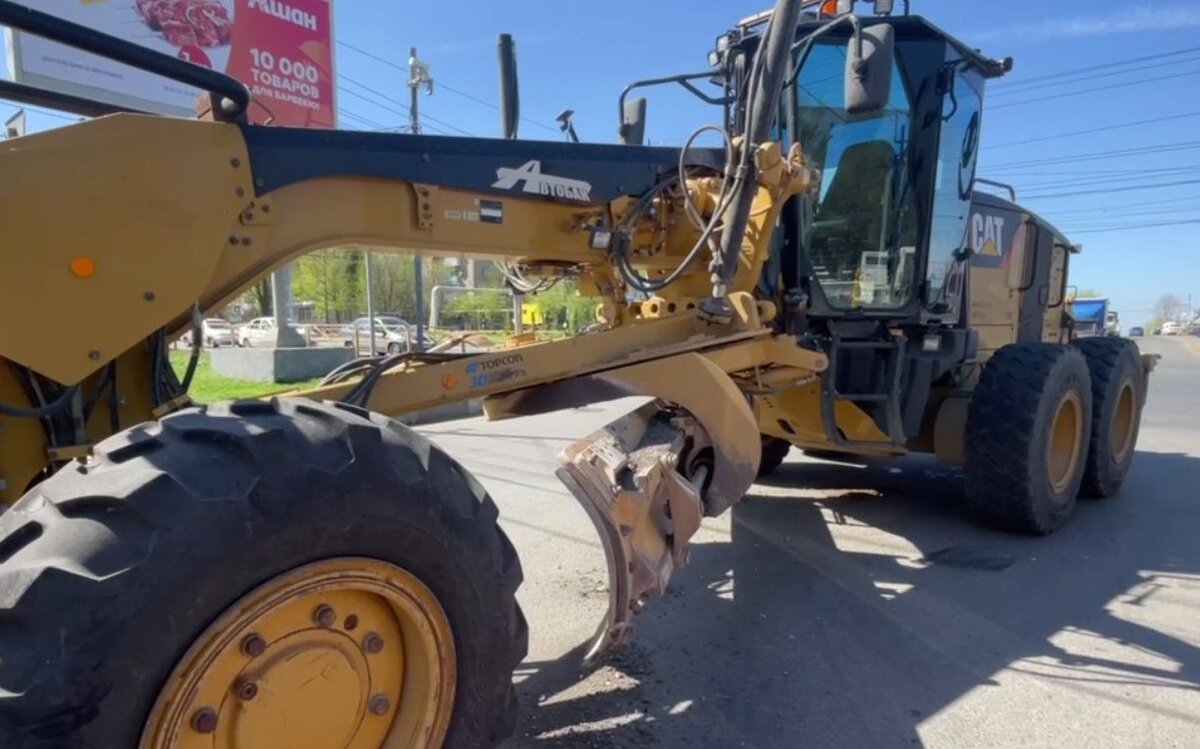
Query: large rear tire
306	567
1118	394
1028	428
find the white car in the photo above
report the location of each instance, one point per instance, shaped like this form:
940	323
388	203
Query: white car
214	332
260	331
1172	328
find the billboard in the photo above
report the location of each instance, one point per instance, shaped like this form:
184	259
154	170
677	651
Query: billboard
282	50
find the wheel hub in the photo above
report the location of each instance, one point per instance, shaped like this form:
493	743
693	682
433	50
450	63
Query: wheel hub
340	654
1124	423
1065	446
325	670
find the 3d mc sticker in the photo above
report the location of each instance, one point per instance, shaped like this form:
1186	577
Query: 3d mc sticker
495	371
537	183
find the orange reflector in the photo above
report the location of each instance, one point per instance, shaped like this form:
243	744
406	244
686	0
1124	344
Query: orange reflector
83	267
829	8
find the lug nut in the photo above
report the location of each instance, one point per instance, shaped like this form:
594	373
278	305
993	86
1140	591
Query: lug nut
325	616
372	643
254	645
379	704
204	720
245	690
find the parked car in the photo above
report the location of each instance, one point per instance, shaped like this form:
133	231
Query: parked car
1172	328
214	332
392	335
1136	332
260	330
1194	328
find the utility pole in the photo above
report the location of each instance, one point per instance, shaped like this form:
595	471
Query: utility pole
370	303
418	76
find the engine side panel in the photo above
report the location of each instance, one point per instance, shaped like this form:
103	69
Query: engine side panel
999	238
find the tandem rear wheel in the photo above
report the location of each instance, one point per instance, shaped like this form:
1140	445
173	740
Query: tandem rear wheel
1028	428
1118	394
258	574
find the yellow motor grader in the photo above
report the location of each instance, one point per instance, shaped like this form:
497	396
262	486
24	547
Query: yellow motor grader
305	572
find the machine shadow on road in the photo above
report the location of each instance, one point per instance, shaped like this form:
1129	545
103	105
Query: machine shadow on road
854	603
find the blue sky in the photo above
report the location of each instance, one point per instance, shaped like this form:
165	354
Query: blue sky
579	55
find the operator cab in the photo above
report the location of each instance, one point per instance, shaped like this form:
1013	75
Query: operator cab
873	267
885	233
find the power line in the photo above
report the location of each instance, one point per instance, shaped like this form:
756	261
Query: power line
362	120
404	110
1084	223
1095	90
395	111
1116	216
1128	188
492	105
1098	76
1039	173
1091	68
441	84
1094	155
1109	128
1136	226
1128	205
1116	179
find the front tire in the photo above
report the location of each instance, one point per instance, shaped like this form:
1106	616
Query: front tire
1118	394
115	573
1028	427
774	451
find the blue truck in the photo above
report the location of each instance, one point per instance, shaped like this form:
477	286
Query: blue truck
1094	318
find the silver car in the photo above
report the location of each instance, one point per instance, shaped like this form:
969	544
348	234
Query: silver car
392	335
214	332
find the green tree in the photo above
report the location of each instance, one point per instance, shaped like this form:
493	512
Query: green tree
565	309
322	277
394	286
1088	294
1169	307
486	309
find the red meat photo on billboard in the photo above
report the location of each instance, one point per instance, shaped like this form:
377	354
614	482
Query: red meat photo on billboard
280	50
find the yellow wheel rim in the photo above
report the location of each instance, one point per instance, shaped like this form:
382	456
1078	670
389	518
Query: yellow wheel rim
1120	435
345	653
1066	445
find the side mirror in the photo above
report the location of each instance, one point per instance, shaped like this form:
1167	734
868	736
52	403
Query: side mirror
869	61
633	122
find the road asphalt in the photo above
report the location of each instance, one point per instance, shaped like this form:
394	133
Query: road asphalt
851	605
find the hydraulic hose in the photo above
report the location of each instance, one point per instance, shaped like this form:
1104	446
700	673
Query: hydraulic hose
772	63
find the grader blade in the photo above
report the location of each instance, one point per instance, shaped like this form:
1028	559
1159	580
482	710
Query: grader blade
648	478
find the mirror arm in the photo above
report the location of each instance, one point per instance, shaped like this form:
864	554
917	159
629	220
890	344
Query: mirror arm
852	20
683	79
